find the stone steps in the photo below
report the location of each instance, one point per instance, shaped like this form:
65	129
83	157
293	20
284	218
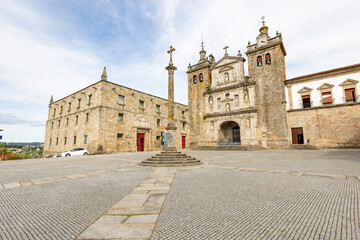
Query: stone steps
170	159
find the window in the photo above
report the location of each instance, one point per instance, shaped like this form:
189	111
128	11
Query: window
50	141
120	136
59	124
201	77
121	117
52	125
65	139
183	125
74	139
85	139
67	121
90	99
158	122
57	141
61	109
219	103
157	108
211	100
236	100
267	59
326	97
194	79
141	104
87	117
121	100
227	95
306	101
350	95
76	119
79	103
157	137
183	114
69	107
259	61
54	112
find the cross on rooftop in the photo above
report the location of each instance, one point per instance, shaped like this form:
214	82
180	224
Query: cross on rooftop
226	47
170	51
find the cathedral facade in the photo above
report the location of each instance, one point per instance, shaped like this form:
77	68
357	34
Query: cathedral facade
225	107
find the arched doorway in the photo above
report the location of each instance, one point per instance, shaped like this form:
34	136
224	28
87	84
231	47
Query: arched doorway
229	133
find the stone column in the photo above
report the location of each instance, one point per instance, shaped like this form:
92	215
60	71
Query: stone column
171	128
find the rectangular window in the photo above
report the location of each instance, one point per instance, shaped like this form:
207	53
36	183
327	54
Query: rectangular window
59	124
61	109
121	117
57	141
65	139
157	108
87	117
326	97
76	119
141	104
50	141
157	137
306	101
69	107
67	121
158	122
219	103
79	103
183	126
121	100
54	112
85	139
183	113
90	99
350	95
236	100
74	139
52	125
120	135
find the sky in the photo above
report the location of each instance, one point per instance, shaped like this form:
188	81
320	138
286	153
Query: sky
58	47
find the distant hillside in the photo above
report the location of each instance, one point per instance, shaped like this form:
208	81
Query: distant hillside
23	143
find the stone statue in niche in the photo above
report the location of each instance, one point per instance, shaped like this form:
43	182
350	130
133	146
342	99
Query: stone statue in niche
227	107
247	122
246	95
211	126
210	101
226	77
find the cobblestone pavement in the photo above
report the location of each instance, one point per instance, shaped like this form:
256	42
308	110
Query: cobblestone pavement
233	195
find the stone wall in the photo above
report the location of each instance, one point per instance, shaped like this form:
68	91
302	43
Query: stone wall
330	126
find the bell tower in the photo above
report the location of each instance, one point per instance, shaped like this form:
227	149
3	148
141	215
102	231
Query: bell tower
266	65
199	79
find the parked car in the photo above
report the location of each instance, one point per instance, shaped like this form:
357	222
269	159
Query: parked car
74	152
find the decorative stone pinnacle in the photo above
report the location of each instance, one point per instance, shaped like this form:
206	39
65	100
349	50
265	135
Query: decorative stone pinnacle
104	75
225	48
170	51
51	99
239	53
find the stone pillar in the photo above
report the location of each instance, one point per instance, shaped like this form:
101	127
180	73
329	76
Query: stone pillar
290	96
171	128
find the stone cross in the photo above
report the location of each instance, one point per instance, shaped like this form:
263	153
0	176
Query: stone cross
226	47
170	51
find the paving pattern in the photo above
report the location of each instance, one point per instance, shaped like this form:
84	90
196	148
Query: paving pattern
233	195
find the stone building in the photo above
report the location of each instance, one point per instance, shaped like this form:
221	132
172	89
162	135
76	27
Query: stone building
106	117
264	109
225	107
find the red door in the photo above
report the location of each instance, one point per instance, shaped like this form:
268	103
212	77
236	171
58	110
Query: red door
140	142
183	141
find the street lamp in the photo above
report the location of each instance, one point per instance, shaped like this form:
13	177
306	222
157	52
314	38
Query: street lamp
4	145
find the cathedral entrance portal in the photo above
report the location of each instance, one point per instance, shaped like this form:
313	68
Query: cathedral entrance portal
229	133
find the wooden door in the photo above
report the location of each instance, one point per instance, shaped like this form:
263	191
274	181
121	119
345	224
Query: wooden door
140	142
297	135
183	141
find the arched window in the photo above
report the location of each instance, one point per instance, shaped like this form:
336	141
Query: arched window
194	79
259	61
201	77
267	59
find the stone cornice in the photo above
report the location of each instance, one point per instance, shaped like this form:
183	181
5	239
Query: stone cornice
324	74
241	84
198	66
241	111
325	106
251	51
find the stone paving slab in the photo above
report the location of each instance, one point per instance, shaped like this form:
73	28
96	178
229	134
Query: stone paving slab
11	185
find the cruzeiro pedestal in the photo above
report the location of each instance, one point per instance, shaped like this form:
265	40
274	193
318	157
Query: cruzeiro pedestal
170	157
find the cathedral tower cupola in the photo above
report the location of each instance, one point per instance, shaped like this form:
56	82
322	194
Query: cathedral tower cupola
202	53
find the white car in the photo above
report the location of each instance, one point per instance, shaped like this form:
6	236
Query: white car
74	152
